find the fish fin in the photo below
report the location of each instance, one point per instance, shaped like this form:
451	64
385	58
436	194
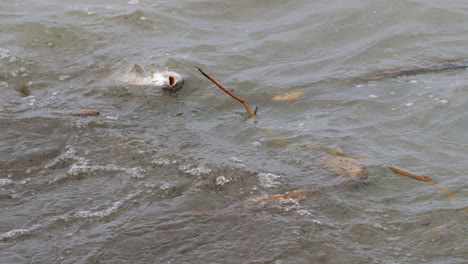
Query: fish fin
138	70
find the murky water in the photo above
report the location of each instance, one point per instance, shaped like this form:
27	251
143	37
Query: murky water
164	178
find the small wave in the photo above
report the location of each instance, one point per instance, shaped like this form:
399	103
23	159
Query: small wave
69	154
76	170
5	182
19	232
14	233
106	212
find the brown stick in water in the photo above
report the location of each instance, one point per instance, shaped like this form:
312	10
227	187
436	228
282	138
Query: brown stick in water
411	175
81	112
243	101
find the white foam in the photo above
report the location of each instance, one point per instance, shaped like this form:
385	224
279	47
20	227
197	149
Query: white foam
235	159
4	53
161	162
200	170
165	186
14	233
268	180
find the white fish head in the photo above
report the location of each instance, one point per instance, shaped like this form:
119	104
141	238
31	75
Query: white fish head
168	80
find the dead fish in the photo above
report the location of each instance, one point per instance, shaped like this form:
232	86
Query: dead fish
166	80
289	195
345	167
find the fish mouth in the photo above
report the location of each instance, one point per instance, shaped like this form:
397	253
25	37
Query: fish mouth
174	82
169	81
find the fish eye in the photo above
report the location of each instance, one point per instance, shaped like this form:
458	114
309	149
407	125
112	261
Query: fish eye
172	80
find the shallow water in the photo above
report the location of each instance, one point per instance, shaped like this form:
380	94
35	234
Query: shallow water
164	178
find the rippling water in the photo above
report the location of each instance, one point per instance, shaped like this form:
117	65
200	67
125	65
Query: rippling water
164	178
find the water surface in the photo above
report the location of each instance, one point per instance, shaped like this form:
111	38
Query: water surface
145	181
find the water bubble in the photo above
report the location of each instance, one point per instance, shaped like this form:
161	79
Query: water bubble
112	117
409	104
303	212
165	186
133	2
221	180
235	159
143	18
64	77
372	96
413	81
22	70
359	85
317	222
256	144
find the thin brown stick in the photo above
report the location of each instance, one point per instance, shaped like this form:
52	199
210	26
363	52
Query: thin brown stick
81	112
243	101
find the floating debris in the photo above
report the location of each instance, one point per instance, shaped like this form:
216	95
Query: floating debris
289	195
345	167
64	77
81	112
429	180
409	174
292	96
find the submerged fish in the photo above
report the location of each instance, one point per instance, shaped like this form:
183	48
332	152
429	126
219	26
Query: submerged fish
167	80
